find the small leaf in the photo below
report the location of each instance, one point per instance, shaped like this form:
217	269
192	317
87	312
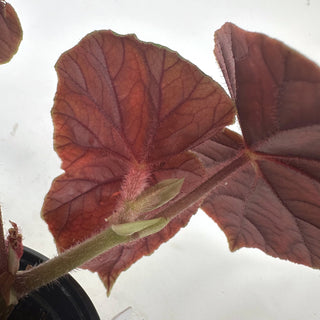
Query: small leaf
10	32
155	228
15	248
10	254
155	196
131	208
142	227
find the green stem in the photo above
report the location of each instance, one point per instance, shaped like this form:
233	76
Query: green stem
74	257
46	272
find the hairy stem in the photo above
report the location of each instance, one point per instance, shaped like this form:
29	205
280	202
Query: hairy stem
74	257
50	270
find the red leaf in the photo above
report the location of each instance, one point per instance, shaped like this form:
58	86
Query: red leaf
273	202
10	32
125	114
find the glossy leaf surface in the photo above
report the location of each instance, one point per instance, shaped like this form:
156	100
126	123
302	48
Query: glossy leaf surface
125	115
10	32
273	202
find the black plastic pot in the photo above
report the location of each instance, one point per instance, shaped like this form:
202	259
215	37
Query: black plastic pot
64	299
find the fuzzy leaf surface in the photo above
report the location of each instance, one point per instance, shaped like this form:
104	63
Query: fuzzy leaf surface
10	32
273	202
125	115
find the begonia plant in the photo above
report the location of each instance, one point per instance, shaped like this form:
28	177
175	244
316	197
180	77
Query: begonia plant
142	136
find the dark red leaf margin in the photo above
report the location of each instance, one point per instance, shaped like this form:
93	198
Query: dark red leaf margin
125	114
273	202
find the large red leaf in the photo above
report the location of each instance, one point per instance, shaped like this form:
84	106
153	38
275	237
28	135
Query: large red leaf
10	32
125	114
273	202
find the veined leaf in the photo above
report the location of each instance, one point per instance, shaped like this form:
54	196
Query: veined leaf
125	115
273	202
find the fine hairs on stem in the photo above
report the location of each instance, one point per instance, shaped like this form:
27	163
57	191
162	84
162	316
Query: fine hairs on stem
72	258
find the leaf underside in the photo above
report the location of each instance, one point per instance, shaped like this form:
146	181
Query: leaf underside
10	32
125	115
273	202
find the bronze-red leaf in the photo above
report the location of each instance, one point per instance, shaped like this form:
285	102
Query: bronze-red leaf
125	115
273	202
10	32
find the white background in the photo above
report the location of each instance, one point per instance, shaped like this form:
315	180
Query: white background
193	276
